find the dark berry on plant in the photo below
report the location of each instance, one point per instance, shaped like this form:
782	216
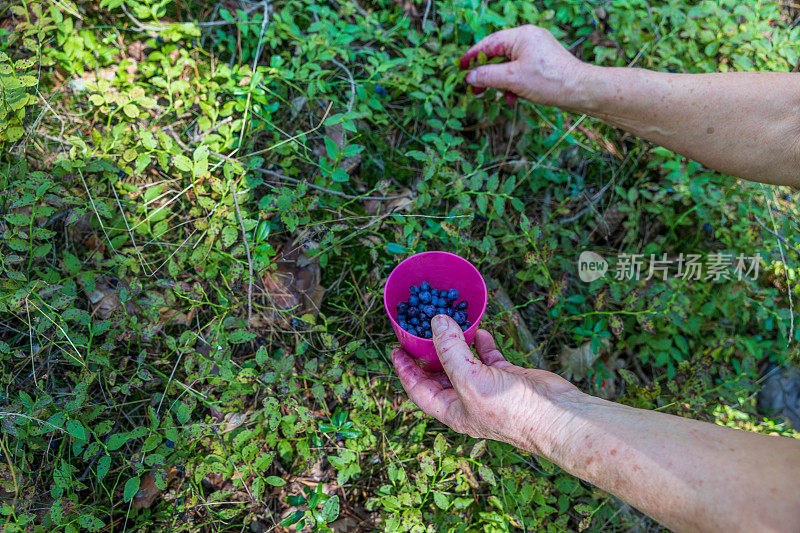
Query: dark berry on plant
425	286
414	300
169	444
452	294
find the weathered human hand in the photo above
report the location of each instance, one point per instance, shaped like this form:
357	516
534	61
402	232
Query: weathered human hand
486	397
539	68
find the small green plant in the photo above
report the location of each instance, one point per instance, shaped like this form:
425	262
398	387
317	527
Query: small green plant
201	205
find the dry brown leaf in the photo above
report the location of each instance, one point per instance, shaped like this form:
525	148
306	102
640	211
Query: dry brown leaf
136	51
233	421
398	205
104	298
293	286
576	362
148	491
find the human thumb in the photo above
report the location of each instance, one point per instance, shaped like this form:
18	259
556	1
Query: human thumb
453	351
498	76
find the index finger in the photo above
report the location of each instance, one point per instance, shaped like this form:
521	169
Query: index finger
497	44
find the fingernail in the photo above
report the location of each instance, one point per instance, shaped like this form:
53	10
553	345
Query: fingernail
439	324
471	77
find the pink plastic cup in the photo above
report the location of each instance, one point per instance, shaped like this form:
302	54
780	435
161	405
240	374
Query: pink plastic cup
444	271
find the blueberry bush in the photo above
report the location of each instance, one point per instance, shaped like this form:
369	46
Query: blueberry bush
202	201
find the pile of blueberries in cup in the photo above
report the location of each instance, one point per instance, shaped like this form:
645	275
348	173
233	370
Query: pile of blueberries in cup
426	302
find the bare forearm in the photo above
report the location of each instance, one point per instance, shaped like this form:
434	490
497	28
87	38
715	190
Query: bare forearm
686	474
746	124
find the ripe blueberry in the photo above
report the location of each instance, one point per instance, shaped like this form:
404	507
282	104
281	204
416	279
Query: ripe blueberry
413	289
413	311
425	296
461	305
425	286
414	300
402	306
429	310
452	294
414	321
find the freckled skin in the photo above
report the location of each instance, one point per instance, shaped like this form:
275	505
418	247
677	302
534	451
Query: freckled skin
688	475
673	110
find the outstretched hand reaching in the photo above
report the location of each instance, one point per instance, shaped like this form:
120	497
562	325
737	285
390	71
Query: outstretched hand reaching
539	68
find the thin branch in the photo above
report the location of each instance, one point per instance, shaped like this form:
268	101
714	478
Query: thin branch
249	258
352	83
139	26
329	191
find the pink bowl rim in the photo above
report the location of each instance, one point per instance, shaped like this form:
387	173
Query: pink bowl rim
474	327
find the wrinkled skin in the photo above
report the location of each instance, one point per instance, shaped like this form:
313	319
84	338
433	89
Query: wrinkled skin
538	69
485	397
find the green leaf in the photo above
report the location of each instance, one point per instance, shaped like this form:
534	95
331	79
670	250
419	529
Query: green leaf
394	248
71	263
117	440
76	429
566	484
292	518
103	465
18	219
92	523
131	488
439	445
183	412
440	500
240	336
486	474
200	153
200	168
478	449
481	201
330	511
275	481
182	162
130	110
332	149
229	235
416	154
492	182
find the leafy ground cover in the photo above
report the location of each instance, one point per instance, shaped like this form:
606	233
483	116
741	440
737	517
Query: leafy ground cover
202	202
